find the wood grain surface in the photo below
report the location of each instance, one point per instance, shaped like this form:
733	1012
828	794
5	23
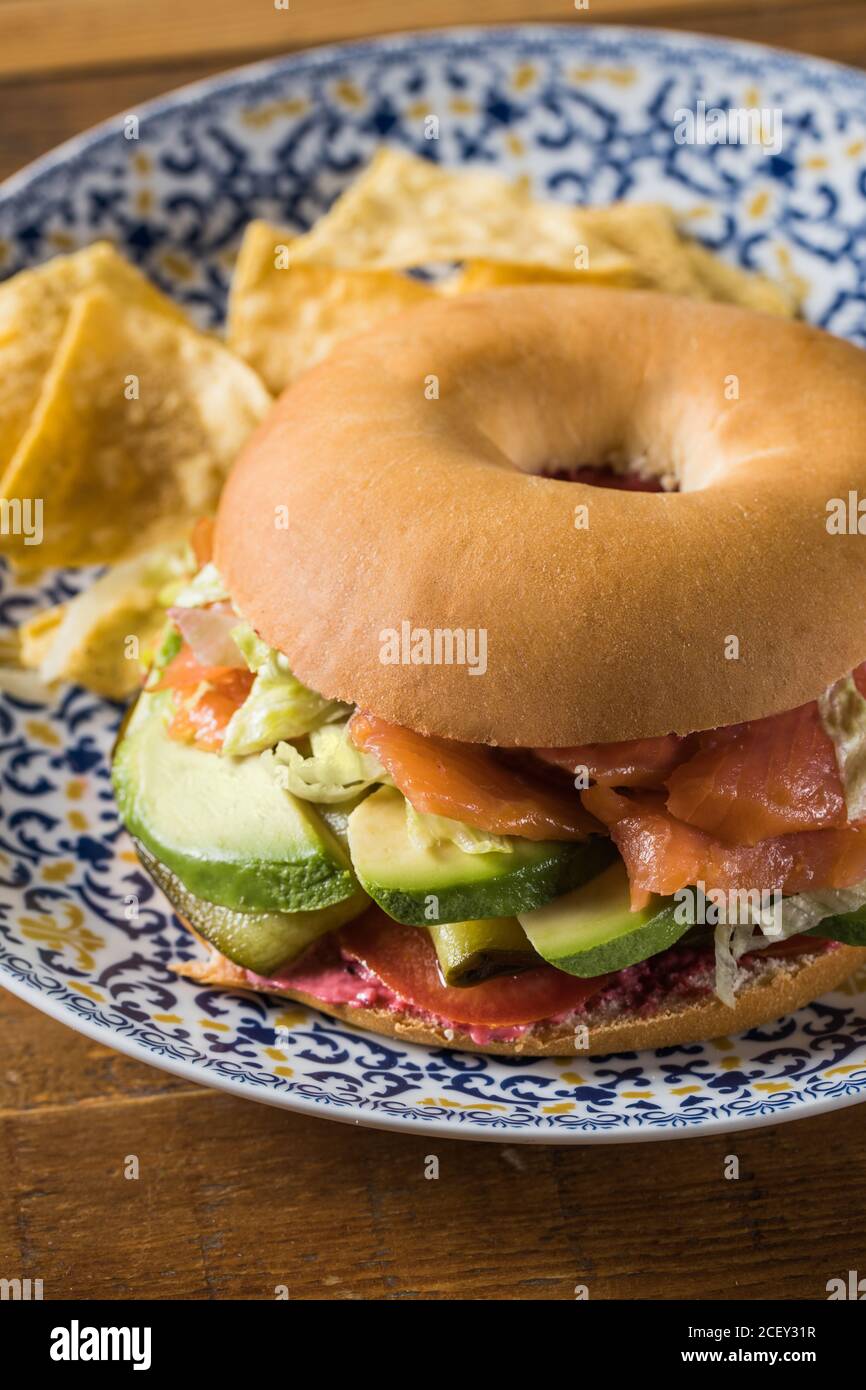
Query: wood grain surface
234	1198
42	36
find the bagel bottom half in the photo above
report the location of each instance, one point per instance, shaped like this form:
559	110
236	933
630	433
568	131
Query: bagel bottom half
775	986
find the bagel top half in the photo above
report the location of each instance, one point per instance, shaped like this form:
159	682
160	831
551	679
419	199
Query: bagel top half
399	482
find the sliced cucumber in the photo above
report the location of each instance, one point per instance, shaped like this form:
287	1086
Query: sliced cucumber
847	927
442	883
259	941
469	952
592	930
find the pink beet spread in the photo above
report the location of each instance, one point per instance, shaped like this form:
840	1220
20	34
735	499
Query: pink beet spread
336	977
332	975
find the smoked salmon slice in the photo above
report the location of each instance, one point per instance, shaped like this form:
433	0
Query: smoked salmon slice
744	783
470	783
663	854
759	780
203	718
640	762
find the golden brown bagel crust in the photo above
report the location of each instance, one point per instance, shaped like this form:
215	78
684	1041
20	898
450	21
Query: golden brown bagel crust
781	985
403	508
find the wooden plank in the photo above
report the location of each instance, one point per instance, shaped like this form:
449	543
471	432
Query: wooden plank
43	36
45	1066
234	1198
834	29
35	116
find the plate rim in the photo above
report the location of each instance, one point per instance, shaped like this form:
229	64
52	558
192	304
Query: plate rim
396	1123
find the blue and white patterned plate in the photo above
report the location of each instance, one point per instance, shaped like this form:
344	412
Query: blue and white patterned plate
587	113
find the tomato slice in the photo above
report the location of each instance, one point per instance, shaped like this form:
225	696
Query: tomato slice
790	946
404	959
468	782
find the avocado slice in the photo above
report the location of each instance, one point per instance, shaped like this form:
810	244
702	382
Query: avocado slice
444	883
469	952
592	930
259	941
224	826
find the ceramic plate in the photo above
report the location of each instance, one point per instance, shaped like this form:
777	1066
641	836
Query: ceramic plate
587	114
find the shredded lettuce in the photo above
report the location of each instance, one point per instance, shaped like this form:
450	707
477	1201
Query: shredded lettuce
254	651
278	707
425	832
206	587
843	714
799	913
334	771
167	648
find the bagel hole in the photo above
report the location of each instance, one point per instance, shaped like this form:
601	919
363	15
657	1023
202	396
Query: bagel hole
605	475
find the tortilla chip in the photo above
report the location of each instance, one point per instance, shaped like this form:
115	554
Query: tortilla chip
404	211
34	308
664	259
103	638
494	275
24	685
733	285
115	475
36	636
646	234
282	321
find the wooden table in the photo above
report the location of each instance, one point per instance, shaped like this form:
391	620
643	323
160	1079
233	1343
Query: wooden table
235	1198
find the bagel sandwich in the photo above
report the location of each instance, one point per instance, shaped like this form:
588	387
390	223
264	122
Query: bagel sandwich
527	716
